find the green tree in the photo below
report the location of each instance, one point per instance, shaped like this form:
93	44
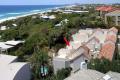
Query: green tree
10	34
102	65
39	58
61	74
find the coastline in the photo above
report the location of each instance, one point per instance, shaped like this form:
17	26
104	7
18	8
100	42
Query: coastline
28	14
16	17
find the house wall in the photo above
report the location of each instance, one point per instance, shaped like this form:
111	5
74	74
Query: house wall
60	63
24	73
75	64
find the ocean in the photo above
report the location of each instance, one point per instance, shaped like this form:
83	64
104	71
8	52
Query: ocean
7	11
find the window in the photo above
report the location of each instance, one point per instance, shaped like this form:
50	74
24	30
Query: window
86	61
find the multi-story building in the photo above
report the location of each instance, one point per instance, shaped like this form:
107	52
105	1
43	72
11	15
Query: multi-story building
113	17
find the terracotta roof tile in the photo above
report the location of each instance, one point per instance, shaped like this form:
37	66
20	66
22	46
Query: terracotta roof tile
109	8
112	38
99	8
107	50
104	8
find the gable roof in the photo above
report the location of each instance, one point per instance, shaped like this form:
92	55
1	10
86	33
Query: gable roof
82	50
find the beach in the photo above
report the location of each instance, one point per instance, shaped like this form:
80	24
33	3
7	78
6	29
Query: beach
33	12
16	17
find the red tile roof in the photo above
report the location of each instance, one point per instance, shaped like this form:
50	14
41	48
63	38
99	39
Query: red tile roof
99	8
112	38
104	8
107	50
109	8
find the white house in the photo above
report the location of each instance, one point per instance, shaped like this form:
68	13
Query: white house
48	17
74	11
13	42
4	46
80	11
3	27
52	17
71	58
14	25
68	11
86	44
62	22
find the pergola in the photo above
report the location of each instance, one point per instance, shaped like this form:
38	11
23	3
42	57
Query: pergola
115	14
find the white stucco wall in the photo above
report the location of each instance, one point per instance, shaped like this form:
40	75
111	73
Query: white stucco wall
75	64
60	63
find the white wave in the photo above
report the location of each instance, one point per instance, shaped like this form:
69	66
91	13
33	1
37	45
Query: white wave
13	13
35	10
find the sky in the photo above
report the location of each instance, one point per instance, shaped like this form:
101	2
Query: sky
53	2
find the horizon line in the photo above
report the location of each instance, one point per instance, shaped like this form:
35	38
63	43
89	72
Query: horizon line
58	4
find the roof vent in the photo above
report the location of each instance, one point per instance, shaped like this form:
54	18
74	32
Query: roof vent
107	77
